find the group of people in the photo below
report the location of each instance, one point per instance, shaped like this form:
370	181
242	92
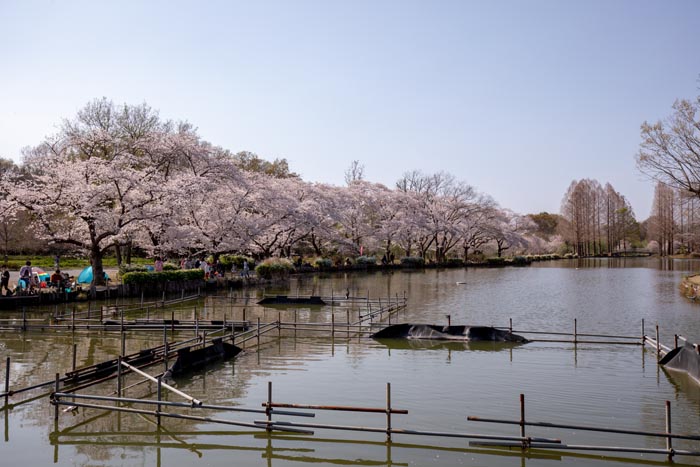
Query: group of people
29	281
211	269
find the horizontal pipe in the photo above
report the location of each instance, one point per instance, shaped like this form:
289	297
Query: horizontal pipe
335	407
400	431
174	415
553	333
585	428
583	447
585	342
166	386
177	404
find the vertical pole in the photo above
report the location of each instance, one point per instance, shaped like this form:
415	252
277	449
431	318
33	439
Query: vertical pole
244	314
388	412
510	325
279	324
675	341
7	382
196	324
165	355
163	297
575	331
165	347
295	323
332	326
56	389
268	406
172	323
522	418
89	309
669	440
72	320
643	335
160	395
658	344
258	334
182	294
141	298
449	320
75	350
347	319
119	376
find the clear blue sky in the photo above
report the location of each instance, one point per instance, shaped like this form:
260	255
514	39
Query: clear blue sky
517	98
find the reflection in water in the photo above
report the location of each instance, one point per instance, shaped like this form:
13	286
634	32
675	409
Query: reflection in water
427	344
603	385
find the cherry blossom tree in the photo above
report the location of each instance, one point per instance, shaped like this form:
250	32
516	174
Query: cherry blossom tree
98	179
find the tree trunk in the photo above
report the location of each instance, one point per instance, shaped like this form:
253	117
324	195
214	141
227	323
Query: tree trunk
118	254
98	273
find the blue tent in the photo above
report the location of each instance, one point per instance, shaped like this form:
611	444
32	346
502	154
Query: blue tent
85	276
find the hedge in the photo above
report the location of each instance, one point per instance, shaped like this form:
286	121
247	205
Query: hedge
412	262
165	276
366	261
323	263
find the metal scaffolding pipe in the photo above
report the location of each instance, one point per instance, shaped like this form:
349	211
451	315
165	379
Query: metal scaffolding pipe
166	386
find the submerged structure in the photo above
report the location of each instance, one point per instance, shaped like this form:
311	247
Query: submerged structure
190	360
685	359
435	332
285	300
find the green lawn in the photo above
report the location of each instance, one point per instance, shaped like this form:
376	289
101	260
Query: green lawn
46	262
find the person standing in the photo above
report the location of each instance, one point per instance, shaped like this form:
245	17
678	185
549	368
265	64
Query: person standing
246	269
5	281
158	266
25	274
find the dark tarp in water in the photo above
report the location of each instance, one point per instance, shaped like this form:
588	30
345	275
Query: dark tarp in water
188	360
285	300
685	359
434	332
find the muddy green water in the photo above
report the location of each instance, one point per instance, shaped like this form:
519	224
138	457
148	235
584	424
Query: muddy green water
439	384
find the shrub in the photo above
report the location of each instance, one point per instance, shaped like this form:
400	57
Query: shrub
142	278
455	262
323	263
126	268
412	262
496	261
520	261
366	261
170	267
230	260
274	268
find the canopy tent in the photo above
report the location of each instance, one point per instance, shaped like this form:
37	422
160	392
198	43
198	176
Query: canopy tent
85	276
41	274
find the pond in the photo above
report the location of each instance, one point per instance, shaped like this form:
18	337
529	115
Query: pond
439	384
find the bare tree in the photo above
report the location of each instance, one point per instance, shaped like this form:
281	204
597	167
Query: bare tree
670	149
355	172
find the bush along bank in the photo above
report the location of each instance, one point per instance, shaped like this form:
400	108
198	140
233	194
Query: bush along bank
154	283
